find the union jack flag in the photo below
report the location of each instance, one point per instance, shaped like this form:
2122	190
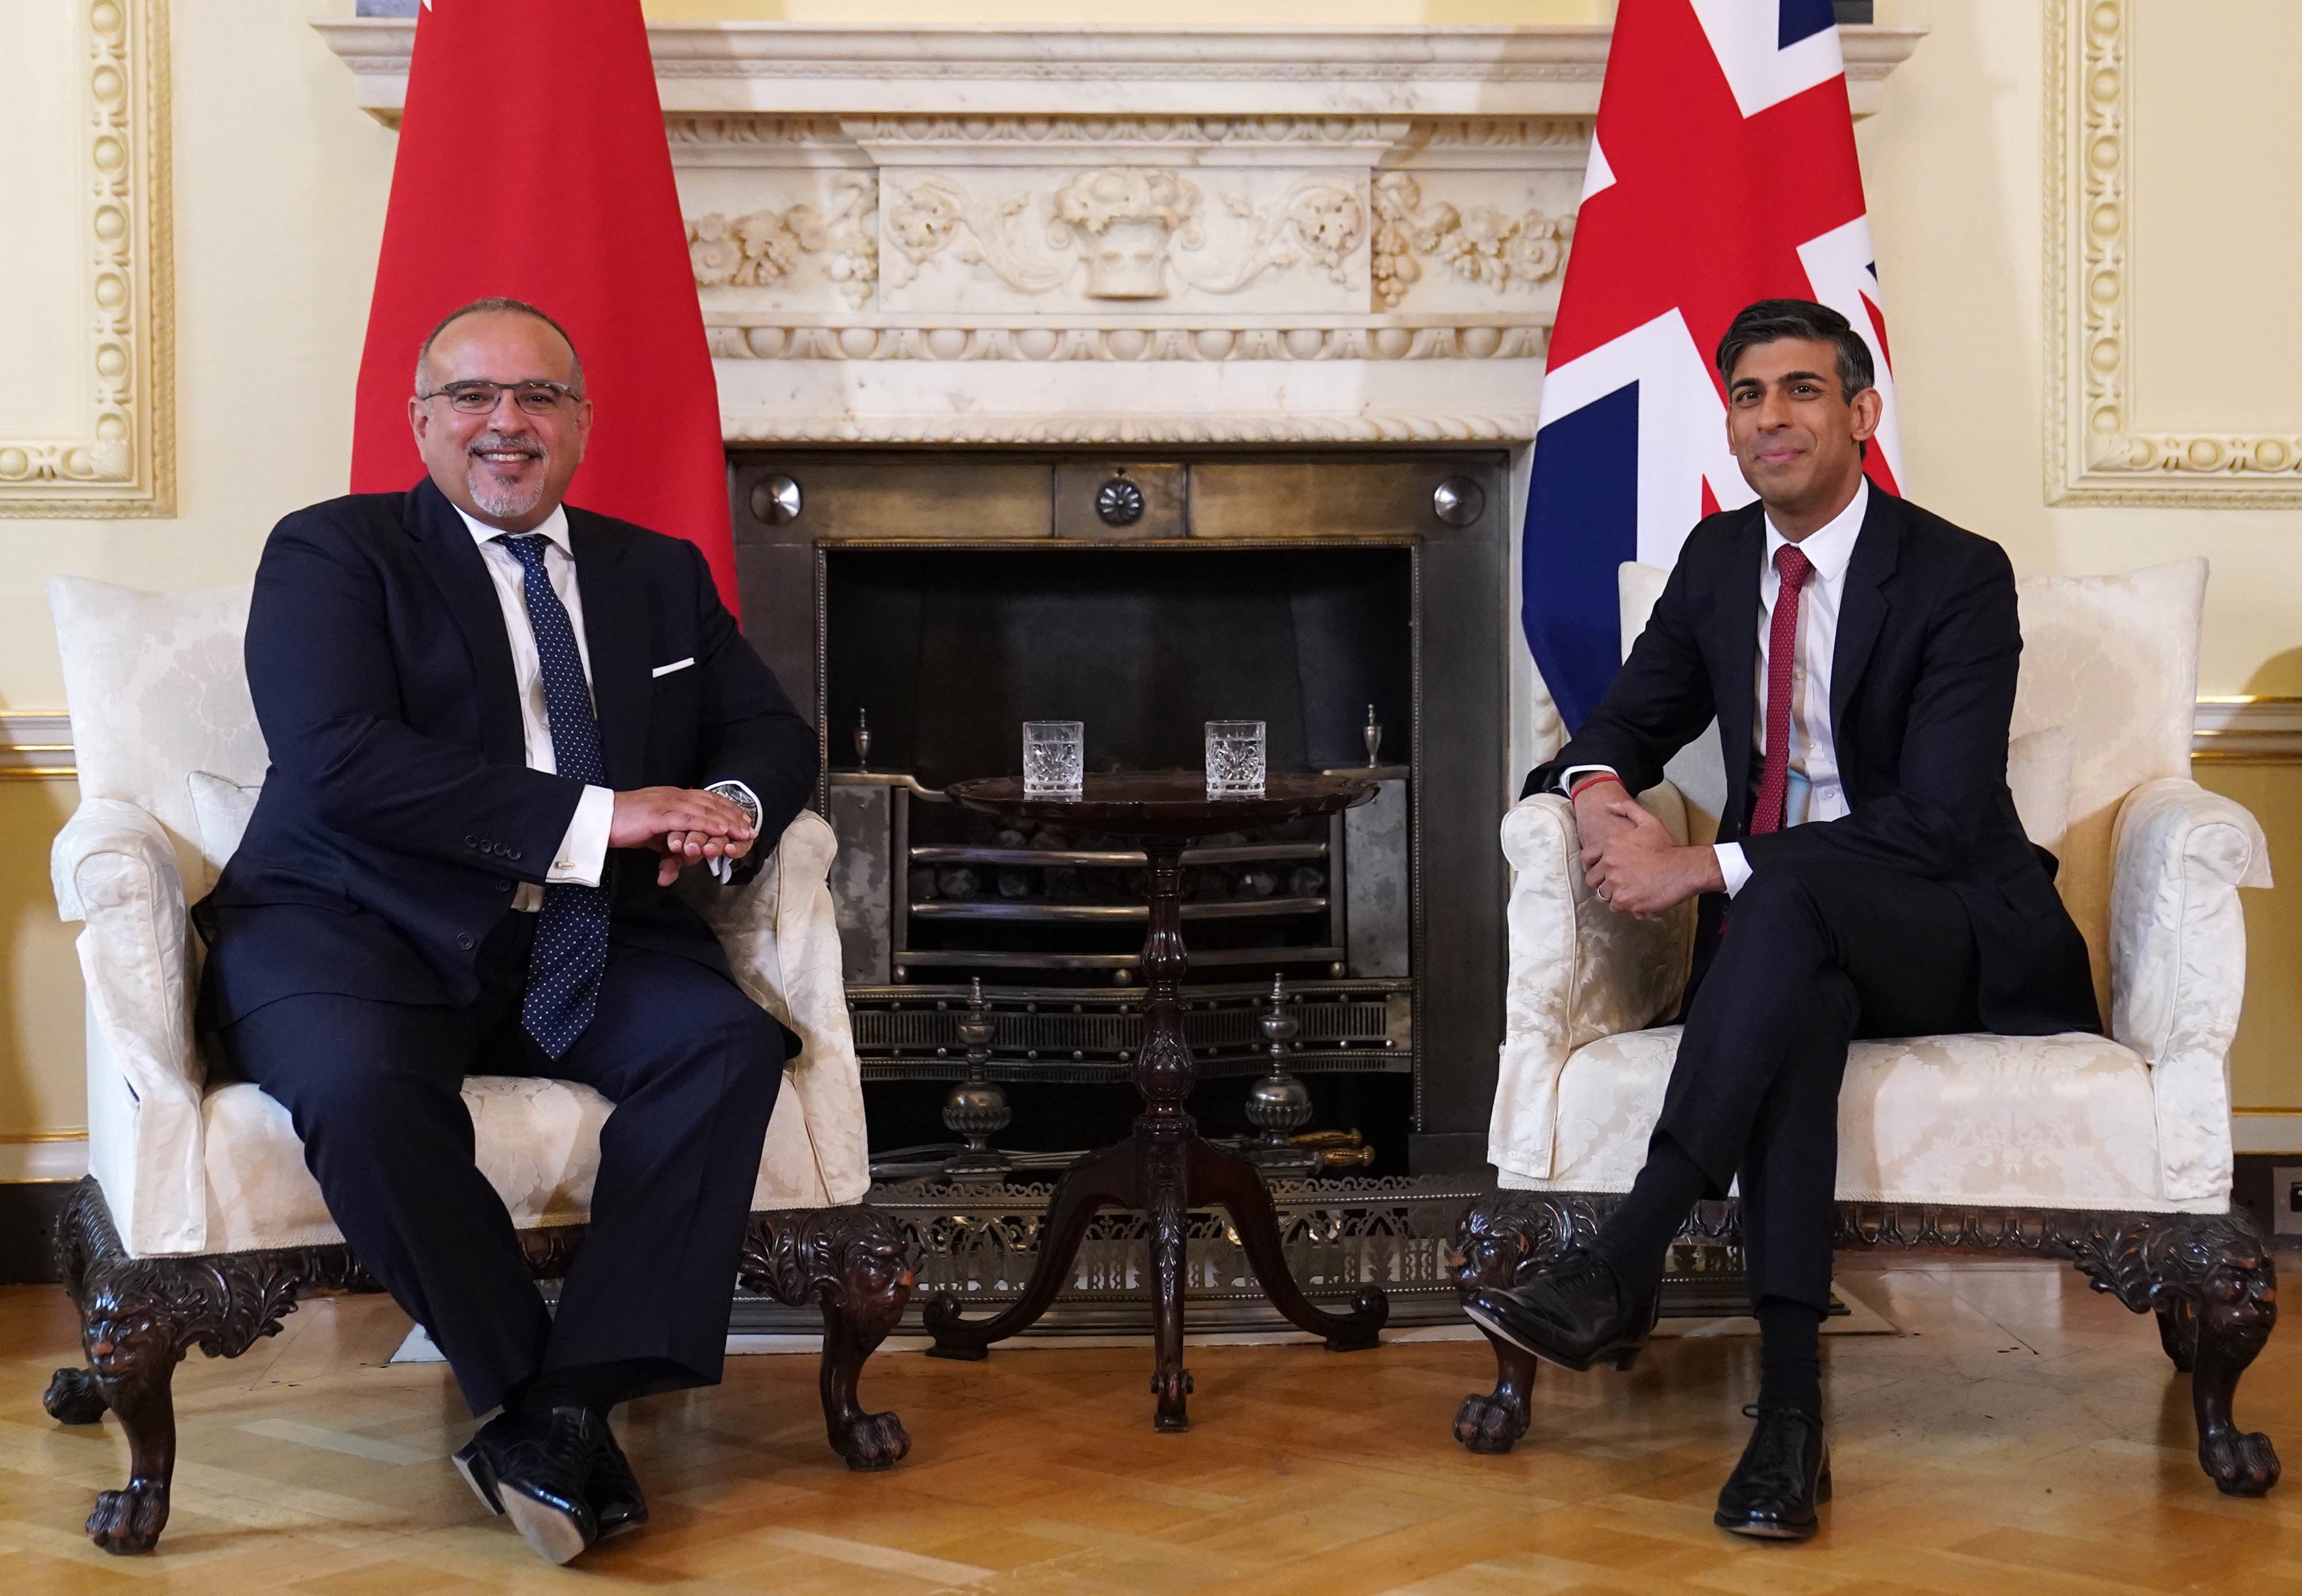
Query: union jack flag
1723	171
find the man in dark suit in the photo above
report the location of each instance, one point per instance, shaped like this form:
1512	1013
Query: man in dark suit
1870	878
499	729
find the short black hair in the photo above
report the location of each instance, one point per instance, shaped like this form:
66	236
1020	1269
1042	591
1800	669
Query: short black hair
1769	320
492	303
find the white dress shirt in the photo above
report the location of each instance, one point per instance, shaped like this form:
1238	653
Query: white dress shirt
583	852
1815	792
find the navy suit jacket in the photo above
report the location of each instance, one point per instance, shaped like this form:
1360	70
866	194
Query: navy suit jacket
1921	697
400	815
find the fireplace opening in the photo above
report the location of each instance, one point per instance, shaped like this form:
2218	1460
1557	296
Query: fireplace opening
944	653
929	602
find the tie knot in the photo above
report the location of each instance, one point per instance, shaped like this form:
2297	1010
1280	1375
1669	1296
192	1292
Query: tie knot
527	548
1792	566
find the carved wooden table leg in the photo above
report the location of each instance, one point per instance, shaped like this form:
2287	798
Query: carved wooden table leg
1165	1160
1104	1180
854	1263
1165	1166
1219	1175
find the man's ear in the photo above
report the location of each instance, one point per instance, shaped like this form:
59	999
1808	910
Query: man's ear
1870	407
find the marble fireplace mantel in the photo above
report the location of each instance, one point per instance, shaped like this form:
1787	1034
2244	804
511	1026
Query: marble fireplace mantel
1283	235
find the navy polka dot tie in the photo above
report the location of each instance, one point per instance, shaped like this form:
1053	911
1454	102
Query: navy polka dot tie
571	933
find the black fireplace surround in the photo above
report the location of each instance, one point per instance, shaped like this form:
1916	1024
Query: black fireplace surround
950	595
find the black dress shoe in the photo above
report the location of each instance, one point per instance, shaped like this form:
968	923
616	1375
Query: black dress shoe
536	1471
1785	1475
614	1490
1572	1314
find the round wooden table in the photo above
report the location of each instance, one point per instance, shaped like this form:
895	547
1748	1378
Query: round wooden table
1166	1166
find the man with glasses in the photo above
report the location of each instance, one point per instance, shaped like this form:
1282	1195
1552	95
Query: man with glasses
499	729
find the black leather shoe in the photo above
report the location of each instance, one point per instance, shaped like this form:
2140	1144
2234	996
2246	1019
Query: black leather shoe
536	1472
614	1490
1785	1475
1572	1314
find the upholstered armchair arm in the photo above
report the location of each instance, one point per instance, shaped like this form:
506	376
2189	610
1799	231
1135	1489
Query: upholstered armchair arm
782	944
1578	969
113	868
2178	963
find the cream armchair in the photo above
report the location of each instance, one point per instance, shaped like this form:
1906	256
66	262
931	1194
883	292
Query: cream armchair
198	1223
2112	1151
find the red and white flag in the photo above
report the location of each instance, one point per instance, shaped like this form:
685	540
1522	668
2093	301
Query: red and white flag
533	162
1723	171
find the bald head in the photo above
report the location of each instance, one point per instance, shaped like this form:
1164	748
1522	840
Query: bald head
495	304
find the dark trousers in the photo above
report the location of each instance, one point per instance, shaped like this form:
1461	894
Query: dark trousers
692	1065
1811	957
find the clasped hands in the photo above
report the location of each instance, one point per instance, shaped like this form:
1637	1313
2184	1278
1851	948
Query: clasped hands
681	825
1631	861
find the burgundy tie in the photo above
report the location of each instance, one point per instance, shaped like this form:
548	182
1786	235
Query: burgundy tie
1782	656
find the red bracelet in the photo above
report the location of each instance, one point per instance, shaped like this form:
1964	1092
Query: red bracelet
1577	790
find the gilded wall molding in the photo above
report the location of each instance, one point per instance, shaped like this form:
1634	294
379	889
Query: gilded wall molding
36	748
2095	452
119	458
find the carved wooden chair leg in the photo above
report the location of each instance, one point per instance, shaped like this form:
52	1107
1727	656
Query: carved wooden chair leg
2177	1331
855	1263
2214	1287
138	1317
73	1396
1493	1422
1503	1240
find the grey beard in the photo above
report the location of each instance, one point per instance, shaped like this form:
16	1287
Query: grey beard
506	502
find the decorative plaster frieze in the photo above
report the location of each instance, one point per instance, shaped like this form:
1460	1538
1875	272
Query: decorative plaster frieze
1291	235
761	248
1257	426
120	460
1138	232
1372	339
2097	453
1482	245
1481	143
748	141
1094	140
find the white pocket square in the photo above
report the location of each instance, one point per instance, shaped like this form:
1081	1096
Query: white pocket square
665	671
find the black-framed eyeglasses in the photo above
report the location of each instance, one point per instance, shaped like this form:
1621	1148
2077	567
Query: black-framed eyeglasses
477	397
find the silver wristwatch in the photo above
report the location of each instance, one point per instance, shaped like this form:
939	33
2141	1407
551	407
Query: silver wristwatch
740	795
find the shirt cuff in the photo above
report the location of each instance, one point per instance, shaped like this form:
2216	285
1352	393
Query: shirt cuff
1575	773
582	854
737	792
1732	865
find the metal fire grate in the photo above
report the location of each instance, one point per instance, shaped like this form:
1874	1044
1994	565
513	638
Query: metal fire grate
1089	1034
979	1245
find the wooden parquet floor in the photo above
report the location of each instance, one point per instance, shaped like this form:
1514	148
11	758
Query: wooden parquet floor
2022	1435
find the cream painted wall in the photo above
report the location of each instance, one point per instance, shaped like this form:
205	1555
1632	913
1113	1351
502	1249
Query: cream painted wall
280	190
280	187
1953	167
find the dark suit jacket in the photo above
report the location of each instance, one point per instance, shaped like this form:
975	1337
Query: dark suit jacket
1921	695
400	815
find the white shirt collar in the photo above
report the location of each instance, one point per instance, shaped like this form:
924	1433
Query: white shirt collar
554	527
1832	546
